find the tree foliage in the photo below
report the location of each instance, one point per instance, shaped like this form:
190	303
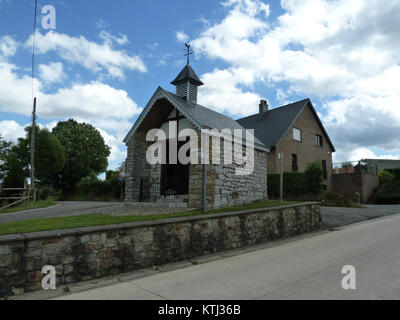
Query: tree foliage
86	153
49	158
5	147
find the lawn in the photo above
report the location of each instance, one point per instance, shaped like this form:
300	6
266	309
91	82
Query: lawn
94	219
31	205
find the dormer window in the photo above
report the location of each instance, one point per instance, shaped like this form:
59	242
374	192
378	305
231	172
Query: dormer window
297	134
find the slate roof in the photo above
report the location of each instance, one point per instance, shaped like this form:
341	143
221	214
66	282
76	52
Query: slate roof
275	123
187	73
200	116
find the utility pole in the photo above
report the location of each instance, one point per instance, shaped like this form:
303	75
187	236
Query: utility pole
33	149
280	155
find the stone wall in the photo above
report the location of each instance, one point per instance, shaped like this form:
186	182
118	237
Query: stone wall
88	253
139	171
224	186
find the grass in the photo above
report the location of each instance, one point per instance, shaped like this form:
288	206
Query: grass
38	204
342	205
94	219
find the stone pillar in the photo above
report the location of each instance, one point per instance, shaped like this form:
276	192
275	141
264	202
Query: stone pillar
136	166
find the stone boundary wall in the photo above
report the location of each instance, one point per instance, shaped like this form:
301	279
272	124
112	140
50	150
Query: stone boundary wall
92	252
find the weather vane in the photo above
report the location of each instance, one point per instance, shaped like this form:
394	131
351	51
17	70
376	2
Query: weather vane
189	52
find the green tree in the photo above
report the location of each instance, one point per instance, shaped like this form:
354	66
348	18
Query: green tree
5	147
49	157
86	152
347	165
14	171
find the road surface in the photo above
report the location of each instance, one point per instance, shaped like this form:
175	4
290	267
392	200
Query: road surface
337	217
308	268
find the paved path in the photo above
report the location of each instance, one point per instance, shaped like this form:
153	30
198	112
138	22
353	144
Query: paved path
336	217
309	268
74	208
64	208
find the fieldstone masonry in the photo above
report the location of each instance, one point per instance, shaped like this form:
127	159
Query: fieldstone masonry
224	187
88	253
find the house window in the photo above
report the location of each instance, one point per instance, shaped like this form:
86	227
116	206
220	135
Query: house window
297	134
324	170
294	163
318	140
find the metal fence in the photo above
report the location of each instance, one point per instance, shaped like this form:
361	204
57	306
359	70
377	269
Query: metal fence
354	167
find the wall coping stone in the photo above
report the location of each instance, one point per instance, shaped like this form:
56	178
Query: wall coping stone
79	231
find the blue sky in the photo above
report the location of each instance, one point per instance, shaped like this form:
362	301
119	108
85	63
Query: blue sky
105	59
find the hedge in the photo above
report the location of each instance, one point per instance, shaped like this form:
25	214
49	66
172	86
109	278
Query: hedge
295	183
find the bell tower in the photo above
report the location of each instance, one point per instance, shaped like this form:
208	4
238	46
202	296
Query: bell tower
187	81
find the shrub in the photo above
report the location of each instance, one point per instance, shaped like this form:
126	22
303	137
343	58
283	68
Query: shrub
297	184
395	173
334	199
385	176
92	188
45	193
388	193
313	177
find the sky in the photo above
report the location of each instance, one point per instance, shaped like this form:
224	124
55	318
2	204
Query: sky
104	60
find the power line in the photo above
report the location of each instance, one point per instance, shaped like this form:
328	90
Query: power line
33	47
34	110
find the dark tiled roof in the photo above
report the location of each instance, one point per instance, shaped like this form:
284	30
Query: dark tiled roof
272	126
208	118
187	73
201	117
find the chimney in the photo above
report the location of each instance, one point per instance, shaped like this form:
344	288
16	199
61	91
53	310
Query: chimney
263	106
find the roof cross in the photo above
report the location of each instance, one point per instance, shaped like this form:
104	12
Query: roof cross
189	52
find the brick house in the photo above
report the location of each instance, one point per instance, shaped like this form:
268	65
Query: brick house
296	131
193	185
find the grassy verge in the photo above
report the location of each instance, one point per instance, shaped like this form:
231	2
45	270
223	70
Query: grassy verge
31	205
87	220
341	205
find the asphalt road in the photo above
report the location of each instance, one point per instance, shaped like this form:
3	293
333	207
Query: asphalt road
308	268
64	208
336	217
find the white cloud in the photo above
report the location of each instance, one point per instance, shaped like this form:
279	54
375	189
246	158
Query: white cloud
93	56
52	72
109	38
94	100
222	93
8	47
181	36
118	149
11	130
106	108
363	153
328	49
